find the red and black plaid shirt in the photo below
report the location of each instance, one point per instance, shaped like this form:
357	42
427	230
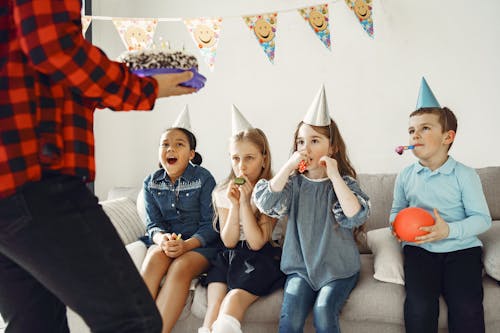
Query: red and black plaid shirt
51	80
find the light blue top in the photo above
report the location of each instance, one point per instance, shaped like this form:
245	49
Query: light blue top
455	190
319	245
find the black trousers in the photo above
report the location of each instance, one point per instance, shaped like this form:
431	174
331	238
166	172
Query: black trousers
457	276
57	248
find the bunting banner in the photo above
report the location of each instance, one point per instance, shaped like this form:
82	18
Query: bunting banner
136	34
205	33
264	28
318	19
363	11
86	23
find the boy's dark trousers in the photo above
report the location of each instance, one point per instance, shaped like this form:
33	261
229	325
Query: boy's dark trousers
457	276
57	247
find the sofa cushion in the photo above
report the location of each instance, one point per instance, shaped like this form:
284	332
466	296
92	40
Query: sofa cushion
490	178
491	250
379	188
376	301
123	215
388	256
137	251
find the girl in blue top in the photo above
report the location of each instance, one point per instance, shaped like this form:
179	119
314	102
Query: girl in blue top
179	223
324	206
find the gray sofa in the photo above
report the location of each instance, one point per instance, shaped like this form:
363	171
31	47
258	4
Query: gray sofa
373	306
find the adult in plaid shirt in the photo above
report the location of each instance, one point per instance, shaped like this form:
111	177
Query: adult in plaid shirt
57	246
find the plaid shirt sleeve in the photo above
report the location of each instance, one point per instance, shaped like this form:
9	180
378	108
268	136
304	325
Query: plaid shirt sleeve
51	80
50	35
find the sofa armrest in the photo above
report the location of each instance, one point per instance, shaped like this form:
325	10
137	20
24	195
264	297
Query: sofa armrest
491	250
123	215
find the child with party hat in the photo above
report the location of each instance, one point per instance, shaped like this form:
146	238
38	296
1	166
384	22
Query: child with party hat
325	208
179	217
447	259
249	266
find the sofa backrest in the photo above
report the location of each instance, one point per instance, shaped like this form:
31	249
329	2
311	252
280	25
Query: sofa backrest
380	187
490	178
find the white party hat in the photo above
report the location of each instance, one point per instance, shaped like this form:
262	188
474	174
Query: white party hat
318	114
239	123
183	119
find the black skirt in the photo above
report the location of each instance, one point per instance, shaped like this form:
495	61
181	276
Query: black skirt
257	272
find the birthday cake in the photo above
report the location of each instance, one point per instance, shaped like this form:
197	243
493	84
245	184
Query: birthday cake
152	62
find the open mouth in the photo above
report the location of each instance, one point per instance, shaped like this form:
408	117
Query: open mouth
171	160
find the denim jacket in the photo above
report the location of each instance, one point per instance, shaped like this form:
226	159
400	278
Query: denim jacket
183	207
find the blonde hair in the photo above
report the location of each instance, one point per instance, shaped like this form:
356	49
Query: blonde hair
256	137
340	155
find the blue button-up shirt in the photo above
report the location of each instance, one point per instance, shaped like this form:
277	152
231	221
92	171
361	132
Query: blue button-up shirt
456	191
183	207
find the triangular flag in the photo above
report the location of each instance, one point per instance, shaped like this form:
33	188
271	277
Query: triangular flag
183	120
317	17
239	122
136	34
363	11
205	33
264	29
85	23
426	98
318	113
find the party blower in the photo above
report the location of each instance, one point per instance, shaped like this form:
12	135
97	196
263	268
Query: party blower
401	149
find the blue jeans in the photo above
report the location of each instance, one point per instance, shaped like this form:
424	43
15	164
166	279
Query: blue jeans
326	304
58	248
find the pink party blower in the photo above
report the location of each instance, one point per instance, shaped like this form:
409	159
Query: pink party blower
401	149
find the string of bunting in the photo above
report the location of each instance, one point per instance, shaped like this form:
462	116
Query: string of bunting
137	33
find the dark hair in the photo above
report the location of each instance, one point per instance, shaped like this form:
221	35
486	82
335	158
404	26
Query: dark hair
197	159
447	118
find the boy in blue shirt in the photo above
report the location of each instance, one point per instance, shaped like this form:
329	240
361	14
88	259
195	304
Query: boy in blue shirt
448	259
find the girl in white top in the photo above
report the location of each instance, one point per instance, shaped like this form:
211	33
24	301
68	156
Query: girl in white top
248	267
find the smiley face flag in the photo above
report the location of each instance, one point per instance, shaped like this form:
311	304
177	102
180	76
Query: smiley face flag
205	33
317	17
363	11
136	34
264	29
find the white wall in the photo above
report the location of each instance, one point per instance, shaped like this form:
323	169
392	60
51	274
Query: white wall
371	85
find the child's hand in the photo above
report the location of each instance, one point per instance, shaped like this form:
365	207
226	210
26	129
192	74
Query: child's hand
245	190
395	234
440	230
331	165
294	160
233	193
175	246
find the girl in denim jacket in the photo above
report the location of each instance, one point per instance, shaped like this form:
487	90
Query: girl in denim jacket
179	222
325	206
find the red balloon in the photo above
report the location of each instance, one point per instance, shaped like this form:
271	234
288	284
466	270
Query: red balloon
408	221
